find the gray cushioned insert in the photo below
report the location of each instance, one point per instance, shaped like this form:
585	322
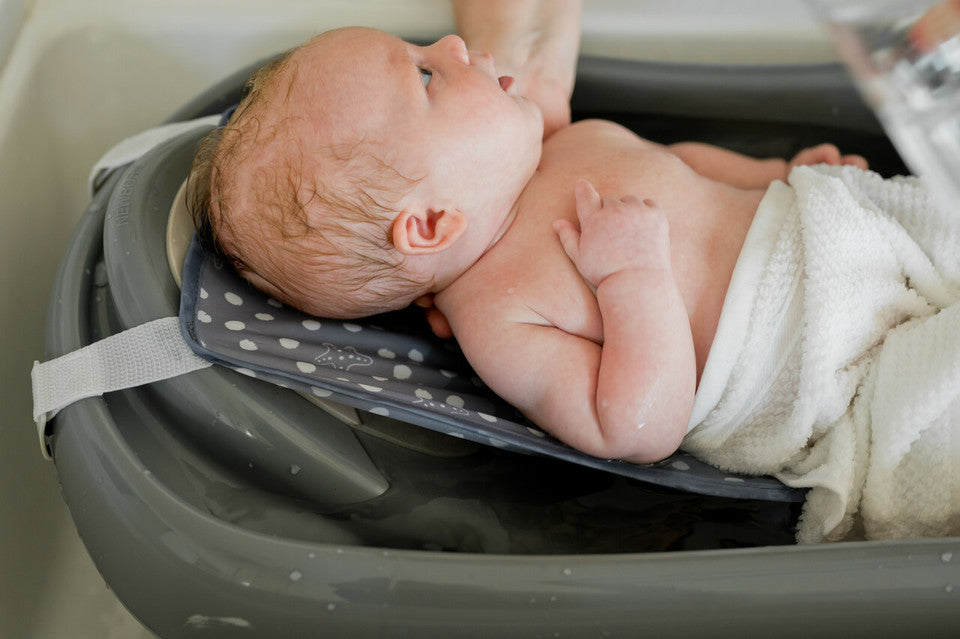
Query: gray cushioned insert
392	365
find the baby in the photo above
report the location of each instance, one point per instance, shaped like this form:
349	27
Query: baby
362	172
584	276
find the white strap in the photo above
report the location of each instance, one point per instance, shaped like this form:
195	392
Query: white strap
140	355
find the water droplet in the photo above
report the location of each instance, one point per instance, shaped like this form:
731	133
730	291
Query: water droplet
331	606
294	469
296	575
947	556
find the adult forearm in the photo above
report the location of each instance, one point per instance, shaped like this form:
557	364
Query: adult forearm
517	28
535	41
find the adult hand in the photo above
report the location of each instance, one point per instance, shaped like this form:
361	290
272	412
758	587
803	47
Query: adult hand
940	23
437	320
535	41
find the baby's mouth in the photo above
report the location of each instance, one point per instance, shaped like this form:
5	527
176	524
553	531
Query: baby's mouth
506	81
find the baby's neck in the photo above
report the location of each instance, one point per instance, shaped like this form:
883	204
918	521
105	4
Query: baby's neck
458	262
506	224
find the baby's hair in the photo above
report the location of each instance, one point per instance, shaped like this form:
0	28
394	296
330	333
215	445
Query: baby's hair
323	248
211	152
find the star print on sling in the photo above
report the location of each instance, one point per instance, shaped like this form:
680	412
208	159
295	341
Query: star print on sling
342	359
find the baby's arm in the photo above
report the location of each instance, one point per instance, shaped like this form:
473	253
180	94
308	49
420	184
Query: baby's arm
745	172
631	396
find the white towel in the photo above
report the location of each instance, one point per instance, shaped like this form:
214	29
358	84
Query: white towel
836	363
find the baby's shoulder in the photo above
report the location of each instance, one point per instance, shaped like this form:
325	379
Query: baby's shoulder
597	144
594	129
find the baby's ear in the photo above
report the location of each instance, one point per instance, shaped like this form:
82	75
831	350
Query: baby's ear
427	232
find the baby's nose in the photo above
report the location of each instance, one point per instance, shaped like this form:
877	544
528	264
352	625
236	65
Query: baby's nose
455	45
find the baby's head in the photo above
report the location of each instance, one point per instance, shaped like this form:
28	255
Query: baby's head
360	171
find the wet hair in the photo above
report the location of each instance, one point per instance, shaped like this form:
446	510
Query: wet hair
258	203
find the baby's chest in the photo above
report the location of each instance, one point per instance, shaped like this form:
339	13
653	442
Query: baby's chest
538	286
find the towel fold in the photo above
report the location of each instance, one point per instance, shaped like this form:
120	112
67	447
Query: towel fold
836	364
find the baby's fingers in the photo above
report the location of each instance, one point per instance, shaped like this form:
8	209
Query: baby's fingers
569	238
856	160
587	198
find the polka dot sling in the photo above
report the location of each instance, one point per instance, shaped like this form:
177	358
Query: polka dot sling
391	365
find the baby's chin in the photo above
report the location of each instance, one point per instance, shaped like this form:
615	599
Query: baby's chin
535	117
539	130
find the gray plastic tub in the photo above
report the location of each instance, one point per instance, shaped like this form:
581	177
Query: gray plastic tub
216	505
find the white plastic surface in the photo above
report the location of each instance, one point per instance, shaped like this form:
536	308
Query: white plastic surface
12	15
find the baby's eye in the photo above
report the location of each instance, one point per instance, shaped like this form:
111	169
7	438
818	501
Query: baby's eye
426	76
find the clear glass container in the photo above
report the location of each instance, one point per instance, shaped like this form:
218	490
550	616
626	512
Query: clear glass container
905	58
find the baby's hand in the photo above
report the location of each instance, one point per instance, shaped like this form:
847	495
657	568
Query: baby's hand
615	234
825	154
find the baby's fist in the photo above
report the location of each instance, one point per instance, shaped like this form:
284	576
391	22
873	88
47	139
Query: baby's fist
614	234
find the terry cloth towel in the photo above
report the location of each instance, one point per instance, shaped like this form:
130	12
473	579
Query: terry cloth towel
836	364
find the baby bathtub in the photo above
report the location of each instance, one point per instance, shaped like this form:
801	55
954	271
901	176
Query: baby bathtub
199	537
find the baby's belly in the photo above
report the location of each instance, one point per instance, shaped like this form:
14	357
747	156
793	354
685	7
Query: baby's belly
705	248
708	220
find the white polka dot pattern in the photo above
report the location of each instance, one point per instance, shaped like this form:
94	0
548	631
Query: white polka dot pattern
396	372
